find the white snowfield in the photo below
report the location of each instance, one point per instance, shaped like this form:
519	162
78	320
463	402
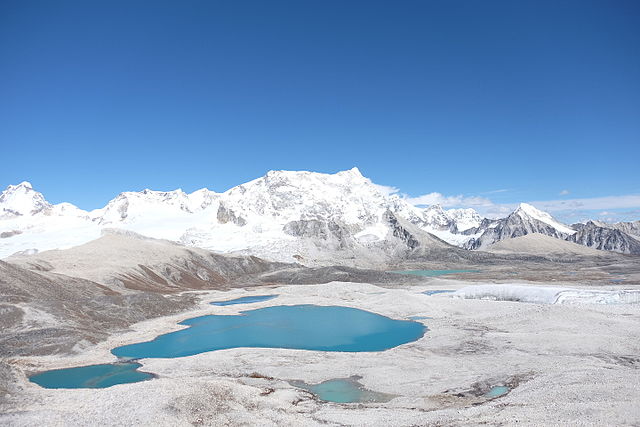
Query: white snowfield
547	295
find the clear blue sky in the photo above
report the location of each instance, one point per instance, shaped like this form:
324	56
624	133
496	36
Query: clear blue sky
458	97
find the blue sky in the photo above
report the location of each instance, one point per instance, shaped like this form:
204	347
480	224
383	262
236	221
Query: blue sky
479	103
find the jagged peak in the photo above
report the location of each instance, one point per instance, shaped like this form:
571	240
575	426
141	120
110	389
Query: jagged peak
354	171
526	207
532	211
26	185
203	190
435	207
470	211
149	192
177	191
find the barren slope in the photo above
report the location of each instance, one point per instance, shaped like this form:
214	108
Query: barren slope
540	244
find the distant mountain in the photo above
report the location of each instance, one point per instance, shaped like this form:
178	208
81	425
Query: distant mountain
607	237
526	219
632	228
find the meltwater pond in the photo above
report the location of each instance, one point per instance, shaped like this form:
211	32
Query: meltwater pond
497	391
347	390
245	300
304	327
93	376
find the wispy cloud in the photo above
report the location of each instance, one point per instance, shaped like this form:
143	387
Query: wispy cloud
449	201
564	192
386	189
502	190
592	203
576	209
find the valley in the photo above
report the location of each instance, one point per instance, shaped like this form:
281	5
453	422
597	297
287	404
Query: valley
528	326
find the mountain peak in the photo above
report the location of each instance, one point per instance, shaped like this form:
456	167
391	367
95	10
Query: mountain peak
530	209
527	210
25	184
354	171
22	199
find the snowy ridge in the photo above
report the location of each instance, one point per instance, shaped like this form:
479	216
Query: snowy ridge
282	215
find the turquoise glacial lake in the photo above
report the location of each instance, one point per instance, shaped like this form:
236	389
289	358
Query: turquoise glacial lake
302	327
93	376
245	300
346	390
432	273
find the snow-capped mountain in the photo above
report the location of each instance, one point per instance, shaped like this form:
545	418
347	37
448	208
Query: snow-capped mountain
524	220
281	215
311	217
21	200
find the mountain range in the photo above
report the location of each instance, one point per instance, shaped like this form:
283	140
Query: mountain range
290	216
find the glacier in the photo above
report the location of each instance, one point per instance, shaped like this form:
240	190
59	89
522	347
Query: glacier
546	294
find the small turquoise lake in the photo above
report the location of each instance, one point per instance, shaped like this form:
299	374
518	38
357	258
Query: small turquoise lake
432	273
347	390
245	300
93	376
300	327
497	391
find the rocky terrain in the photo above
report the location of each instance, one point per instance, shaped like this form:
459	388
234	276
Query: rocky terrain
608	237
